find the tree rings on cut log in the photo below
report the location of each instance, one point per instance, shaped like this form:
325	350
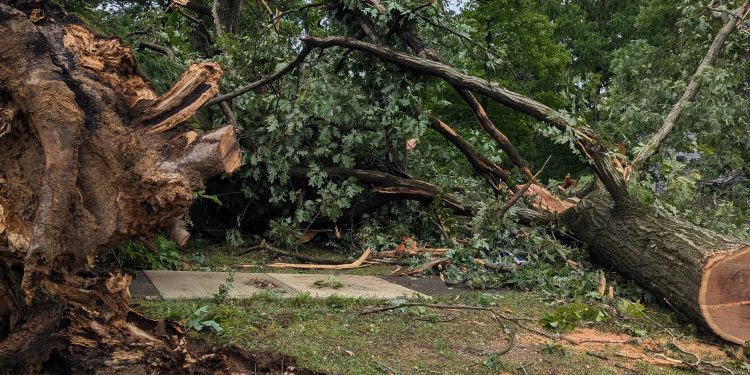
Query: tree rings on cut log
724	295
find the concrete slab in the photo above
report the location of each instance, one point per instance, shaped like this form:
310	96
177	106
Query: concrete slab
141	287
354	286
429	285
195	284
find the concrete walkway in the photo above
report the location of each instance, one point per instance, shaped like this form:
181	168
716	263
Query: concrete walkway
192	284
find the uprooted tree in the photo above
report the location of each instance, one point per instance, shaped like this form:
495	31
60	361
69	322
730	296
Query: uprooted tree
90	155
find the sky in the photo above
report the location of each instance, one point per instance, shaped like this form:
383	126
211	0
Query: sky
455	5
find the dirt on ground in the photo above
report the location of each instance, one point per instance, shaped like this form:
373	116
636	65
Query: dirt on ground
623	351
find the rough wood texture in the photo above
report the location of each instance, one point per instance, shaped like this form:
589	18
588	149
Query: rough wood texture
703	275
197	85
93	156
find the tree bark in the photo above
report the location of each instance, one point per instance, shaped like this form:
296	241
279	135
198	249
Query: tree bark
92	156
701	274
493	173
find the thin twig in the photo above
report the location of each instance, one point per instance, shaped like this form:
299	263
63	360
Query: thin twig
305	258
698	360
265	80
299	9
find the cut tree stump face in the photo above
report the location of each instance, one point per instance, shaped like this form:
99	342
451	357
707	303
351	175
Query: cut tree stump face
725	297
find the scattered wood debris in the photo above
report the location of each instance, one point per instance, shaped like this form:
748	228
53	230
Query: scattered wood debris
403	253
360	262
424	267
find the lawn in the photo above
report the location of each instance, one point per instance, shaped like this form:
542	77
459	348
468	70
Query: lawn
331	336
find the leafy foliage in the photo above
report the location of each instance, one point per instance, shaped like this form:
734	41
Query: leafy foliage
224	289
614	66
565	318
136	255
198	321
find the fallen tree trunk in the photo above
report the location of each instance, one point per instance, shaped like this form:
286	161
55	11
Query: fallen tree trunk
90	156
697	272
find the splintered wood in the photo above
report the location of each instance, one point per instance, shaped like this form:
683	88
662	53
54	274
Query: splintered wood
543	199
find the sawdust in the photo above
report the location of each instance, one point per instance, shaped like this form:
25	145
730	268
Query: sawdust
621	349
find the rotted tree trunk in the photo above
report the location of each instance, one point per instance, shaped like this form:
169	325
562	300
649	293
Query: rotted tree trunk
701	274
91	155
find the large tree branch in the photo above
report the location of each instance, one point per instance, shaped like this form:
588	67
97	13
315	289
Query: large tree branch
691	90
585	141
158	48
490	171
451	75
501	139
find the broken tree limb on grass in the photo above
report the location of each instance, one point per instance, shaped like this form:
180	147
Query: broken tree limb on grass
360	262
613	173
402	253
494	266
424	267
691	90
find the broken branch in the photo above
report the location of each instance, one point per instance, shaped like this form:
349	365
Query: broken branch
493	173
424	267
356	264
585	141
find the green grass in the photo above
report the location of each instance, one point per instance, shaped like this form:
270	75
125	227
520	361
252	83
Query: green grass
329	335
